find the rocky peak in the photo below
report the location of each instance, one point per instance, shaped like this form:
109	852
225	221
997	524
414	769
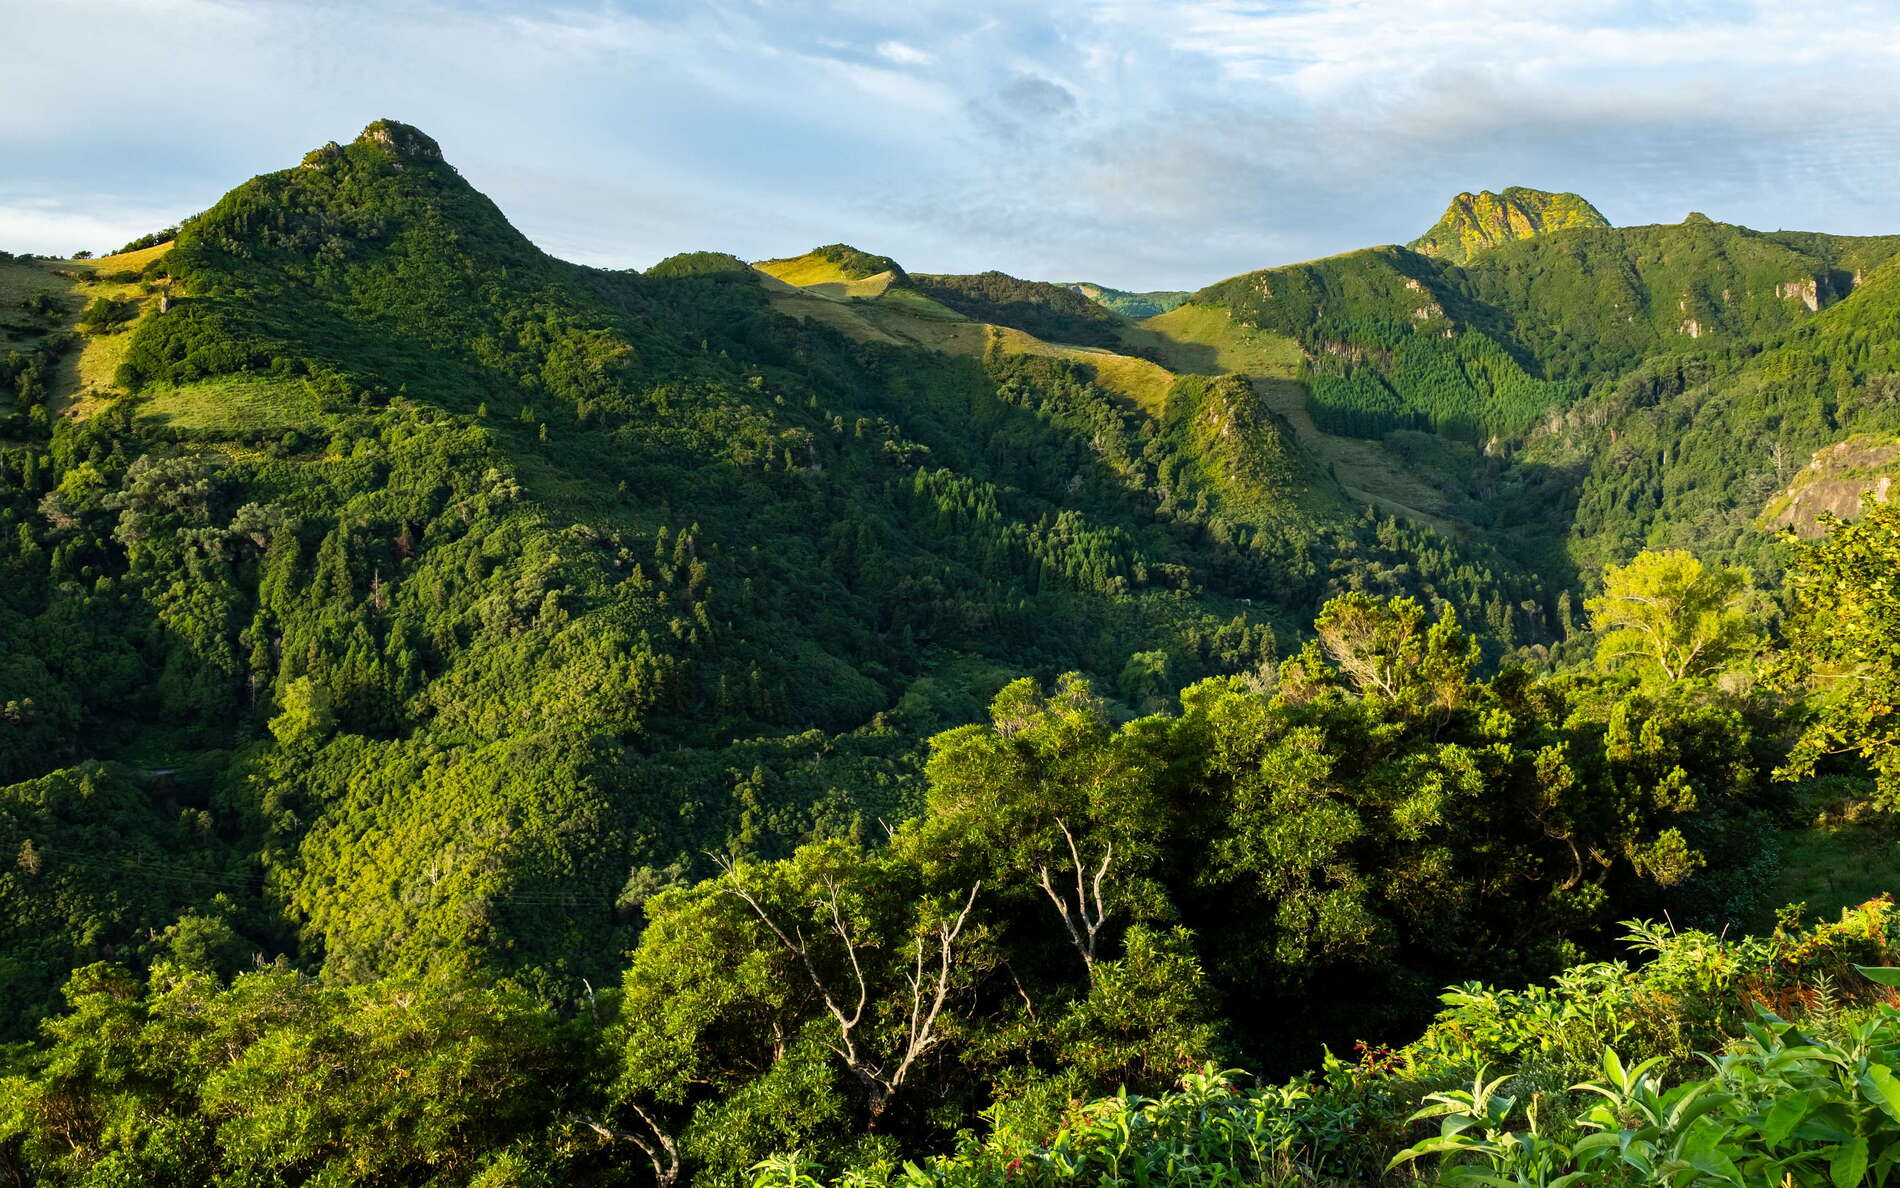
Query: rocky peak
1476	222
401	140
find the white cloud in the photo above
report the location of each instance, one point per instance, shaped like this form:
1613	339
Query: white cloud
903	54
51	230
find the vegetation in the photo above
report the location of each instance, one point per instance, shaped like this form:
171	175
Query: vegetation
1050	312
1474	222
473	719
1132	305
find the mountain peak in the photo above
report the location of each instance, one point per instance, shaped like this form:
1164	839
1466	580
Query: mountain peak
401	140
1475	222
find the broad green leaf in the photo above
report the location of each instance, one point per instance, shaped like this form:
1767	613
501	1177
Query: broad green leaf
1882	1089
1849	1163
1886	975
1786	1114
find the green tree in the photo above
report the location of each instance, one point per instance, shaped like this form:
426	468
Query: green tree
1668	617
1844	646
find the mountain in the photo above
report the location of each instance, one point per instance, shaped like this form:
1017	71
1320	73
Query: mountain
371	523
1476	222
464	709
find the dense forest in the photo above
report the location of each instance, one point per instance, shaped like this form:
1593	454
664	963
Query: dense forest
476	719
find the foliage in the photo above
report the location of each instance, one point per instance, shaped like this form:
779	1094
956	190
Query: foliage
472	718
1669	618
1845	640
1050	312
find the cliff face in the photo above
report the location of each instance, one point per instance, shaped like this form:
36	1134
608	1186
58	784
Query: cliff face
1474	222
1835	482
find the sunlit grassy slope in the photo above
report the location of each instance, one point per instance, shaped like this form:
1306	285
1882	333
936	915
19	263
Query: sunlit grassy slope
813	288
85	374
1206	340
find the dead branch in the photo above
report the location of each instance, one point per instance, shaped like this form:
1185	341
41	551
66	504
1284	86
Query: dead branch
1089	913
920	1033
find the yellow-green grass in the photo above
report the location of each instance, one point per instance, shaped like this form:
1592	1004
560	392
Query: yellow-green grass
234	403
843	317
20	281
1206	340
813	271
903	316
1142	381
85	377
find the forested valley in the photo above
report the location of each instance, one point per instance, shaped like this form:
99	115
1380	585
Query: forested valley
1425	716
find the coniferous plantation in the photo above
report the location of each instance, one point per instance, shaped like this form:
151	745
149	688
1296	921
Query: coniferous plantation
1429	715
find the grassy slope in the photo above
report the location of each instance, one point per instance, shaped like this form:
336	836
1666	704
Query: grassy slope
84	376
896	315
1206	340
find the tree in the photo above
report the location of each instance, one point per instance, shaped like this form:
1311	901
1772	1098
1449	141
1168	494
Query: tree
1389	654
1050	796
1670	618
1844	644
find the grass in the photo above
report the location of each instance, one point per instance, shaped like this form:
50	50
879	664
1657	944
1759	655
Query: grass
1205	340
1847	854
85	376
812	271
901	316
234	403
21	280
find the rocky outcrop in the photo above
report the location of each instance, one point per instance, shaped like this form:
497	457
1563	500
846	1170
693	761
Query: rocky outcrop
1476	222
401	140
1807	291
1835	482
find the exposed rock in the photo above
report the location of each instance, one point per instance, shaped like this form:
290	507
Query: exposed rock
1476	222
1835	481
401	140
1809	291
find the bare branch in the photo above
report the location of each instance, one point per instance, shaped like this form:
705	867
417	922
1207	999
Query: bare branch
665	1170
921	1037
921	1027
846	1047
1089	914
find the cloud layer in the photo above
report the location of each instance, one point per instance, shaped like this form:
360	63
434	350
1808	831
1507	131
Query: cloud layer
1140	143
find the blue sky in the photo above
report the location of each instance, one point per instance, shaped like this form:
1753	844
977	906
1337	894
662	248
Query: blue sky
1139	143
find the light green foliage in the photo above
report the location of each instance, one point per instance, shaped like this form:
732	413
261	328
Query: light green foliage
1052	313
1131	305
277	1079
545	661
1845	642
1668	617
1522	1087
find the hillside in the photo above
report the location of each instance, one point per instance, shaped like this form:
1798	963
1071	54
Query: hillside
472	718
385	489
1130	304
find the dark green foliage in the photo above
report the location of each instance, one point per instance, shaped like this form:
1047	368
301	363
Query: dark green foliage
1053	313
857	265
1471	390
688	264
1132	305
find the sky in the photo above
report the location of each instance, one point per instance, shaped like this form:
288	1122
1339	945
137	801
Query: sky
1135	143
